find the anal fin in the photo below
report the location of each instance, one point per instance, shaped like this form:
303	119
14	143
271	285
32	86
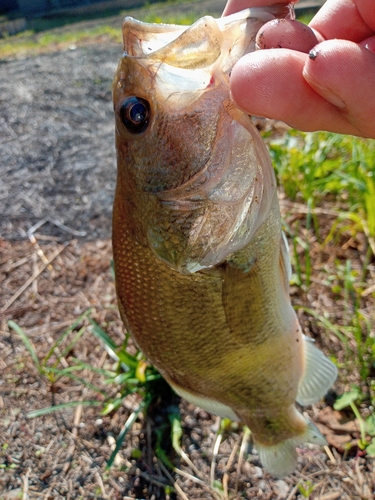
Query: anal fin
319	375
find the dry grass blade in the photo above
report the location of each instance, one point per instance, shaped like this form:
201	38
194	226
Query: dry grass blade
227	467
214	458
25	480
292	493
244	443
33	277
70	451
198	481
370	238
186	458
160	481
66	228
299	208
176	486
101	485
333	495
40	252
368	291
330	454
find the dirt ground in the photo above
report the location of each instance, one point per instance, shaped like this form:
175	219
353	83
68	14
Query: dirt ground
57	176
63	454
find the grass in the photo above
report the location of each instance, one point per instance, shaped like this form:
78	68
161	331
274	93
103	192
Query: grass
30	44
314	165
131	374
46	34
333	175
184	19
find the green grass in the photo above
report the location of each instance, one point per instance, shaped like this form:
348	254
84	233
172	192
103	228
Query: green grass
331	180
46	34
131	373
184	19
306	16
313	166
29	43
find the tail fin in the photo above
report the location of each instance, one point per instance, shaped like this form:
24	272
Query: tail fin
281	459
319	375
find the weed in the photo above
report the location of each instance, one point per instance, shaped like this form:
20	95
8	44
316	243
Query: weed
367	427
306	488
131	375
331	174
50	371
313	166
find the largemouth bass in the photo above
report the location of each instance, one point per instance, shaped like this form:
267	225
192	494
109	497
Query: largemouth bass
202	267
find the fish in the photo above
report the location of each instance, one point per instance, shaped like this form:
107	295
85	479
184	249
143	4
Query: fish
201	263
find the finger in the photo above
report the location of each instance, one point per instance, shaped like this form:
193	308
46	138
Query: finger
237	5
288	34
345	19
369	43
343	73
270	83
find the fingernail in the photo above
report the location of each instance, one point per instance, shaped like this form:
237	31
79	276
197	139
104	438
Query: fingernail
327	94
335	100
369	44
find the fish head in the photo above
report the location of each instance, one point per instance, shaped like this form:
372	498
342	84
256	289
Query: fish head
194	178
164	124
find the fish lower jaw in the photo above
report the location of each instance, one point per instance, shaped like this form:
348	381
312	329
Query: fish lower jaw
280	459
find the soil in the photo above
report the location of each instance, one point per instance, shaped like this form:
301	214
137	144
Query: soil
57	166
57	147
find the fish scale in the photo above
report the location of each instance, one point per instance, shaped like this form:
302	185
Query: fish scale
201	264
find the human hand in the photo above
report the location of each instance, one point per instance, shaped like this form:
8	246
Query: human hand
320	77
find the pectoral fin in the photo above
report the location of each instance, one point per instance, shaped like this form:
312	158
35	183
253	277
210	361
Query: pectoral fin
319	375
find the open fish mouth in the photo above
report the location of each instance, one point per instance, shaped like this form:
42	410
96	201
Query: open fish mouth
180	45
207	42
196	158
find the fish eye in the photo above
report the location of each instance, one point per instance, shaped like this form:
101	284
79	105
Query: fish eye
135	114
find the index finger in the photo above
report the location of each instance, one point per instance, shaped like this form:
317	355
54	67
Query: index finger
237	5
352	20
